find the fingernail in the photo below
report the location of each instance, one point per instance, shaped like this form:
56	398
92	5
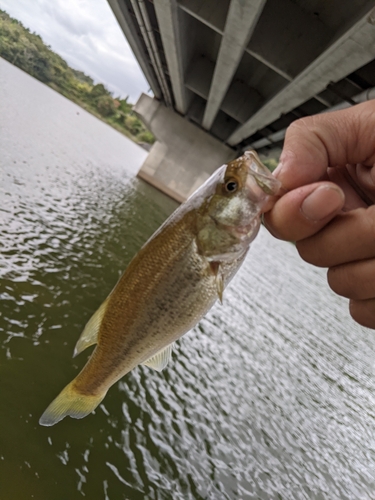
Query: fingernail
322	202
278	169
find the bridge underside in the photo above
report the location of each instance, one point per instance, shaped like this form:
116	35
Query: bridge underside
235	73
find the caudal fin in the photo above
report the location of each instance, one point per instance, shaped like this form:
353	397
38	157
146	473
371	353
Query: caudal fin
69	402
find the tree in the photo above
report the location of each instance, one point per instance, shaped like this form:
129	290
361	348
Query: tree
105	105
28	51
99	90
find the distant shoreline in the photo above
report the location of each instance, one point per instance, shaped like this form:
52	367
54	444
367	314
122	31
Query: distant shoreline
28	52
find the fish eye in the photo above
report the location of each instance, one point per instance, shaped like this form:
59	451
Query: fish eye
231	186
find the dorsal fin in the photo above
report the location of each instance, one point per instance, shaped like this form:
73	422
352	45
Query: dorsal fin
89	336
160	360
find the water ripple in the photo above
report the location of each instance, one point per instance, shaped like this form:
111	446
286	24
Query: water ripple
272	395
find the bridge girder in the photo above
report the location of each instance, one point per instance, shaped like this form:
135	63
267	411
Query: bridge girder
241	71
236	67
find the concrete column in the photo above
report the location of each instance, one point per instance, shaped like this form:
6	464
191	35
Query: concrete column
183	156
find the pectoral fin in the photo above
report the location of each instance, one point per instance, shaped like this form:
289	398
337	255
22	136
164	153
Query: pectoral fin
160	360
89	336
215	268
220	286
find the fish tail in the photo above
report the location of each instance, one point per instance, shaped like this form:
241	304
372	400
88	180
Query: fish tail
70	402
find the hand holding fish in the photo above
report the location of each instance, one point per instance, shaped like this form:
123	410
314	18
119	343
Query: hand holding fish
328	170
170	284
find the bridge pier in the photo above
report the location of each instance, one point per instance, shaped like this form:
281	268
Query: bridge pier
183	156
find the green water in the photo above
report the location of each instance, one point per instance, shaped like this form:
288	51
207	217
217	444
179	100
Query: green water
271	396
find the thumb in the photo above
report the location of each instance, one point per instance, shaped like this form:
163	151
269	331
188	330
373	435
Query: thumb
304	211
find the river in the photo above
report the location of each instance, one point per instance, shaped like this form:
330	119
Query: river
271	396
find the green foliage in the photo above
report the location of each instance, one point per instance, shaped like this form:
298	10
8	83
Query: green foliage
105	105
80	75
98	91
28	51
271	163
146	136
132	123
125	107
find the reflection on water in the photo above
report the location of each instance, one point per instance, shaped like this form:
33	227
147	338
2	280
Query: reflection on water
271	396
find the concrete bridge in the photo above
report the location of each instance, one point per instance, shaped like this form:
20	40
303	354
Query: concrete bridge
229	75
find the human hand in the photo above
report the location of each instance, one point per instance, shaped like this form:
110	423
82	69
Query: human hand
328	172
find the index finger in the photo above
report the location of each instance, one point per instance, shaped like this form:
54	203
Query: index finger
315	143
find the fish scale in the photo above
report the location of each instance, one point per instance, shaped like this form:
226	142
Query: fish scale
170	284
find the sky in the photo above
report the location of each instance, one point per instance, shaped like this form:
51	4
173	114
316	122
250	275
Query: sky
86	34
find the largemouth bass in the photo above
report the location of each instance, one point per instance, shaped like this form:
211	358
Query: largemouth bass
170	284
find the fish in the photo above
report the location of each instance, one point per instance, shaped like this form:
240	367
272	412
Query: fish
171	283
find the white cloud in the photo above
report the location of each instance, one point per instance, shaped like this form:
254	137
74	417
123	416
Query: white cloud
86	34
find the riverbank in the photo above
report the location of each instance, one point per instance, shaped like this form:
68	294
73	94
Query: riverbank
28	52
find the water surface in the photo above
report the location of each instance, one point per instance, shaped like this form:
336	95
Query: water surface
271	396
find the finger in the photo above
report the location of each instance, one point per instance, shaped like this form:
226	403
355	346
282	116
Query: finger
304	211
366	177
347	238
314	143
354	198
363	312
269	203
355	280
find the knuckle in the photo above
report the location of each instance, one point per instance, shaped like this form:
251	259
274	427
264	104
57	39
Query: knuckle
355	310
304	251
310	252
340	280
363	312
302	123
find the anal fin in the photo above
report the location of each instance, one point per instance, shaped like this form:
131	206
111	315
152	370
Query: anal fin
89	336
160	360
